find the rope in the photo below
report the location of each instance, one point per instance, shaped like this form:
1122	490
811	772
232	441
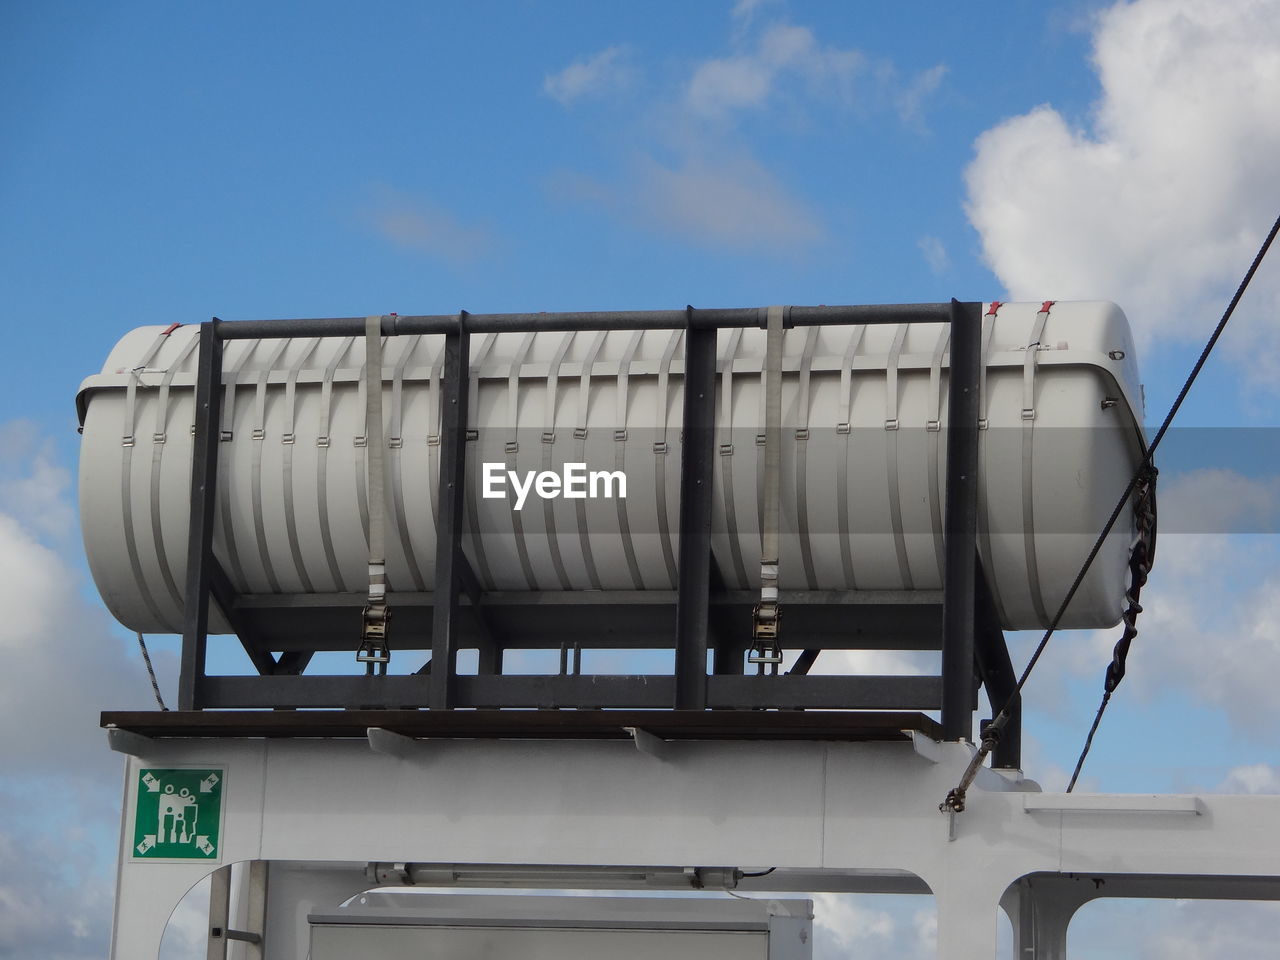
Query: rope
151	672
954	801
1088	741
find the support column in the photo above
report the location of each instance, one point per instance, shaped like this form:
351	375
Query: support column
961	523
449	560
204	478
966	919
696	465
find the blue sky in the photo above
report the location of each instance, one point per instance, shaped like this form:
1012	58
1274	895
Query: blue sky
164	163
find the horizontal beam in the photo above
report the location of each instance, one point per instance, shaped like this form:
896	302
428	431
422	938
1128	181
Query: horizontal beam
717	318
578	691
595	620
842	725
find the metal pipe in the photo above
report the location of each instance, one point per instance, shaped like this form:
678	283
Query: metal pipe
713	318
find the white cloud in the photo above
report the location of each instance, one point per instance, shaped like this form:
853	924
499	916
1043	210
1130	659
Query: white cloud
32	485
1160	200
745	10
1255	778
735	203
731	203
1219	501
1210	630
901	663
54	904
723	84
186	936
848	921
935	254
1174	929
414	223
594	76
697	177
911	99
1209	930
874	926
63	665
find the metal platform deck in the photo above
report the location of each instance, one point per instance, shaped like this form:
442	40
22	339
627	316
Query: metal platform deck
828	725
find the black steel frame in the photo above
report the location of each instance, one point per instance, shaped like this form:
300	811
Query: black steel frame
972	645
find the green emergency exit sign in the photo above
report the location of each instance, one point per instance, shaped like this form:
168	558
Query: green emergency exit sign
178	813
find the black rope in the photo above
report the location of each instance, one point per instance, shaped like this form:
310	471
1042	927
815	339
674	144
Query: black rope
151	672
955	799
1088	741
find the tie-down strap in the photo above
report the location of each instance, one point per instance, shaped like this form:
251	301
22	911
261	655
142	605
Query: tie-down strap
377	615
765	618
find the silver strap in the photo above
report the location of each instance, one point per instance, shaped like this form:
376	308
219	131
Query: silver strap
845	428
259	433
135	380
512	450
620	455
984	514
580	438
762	405
548	459
1028	430
765	617
802	446
726	457
231	375
470	449
433	432
126	474
377	533
660	449
933	435
158	438
395	442
288	441
322	462
891	455
373	638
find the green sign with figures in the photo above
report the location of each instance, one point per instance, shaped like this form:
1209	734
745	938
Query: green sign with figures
178	815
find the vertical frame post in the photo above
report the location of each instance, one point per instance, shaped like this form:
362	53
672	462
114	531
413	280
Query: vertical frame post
959	590
996	669
219	913
696	467
204	479
452	499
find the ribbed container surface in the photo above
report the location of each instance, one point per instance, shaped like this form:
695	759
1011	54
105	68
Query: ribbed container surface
863	470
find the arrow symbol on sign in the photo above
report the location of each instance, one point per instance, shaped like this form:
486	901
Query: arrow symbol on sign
153	785
147	843
204	845
208	783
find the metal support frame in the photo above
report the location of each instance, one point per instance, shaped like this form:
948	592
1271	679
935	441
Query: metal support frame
451	617
996	670
697	462
960	537
204	474
453	460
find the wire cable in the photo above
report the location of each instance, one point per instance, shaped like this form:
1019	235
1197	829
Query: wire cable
151	672
954	801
